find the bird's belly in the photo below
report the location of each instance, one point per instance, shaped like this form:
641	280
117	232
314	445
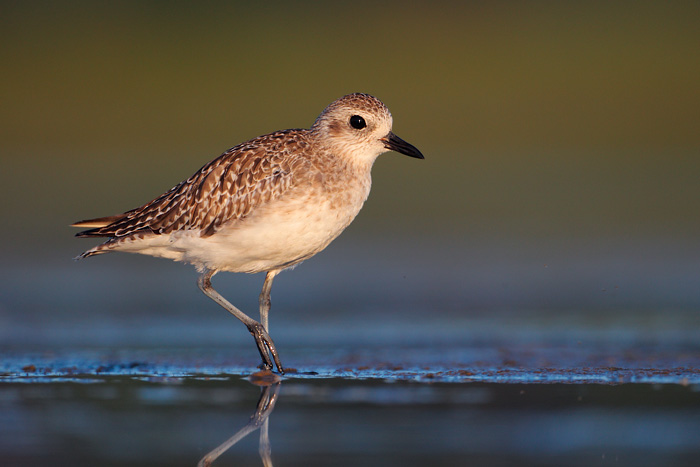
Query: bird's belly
278	235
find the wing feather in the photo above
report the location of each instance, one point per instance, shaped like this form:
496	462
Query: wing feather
227	188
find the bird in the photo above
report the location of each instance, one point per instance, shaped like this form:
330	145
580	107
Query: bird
264	205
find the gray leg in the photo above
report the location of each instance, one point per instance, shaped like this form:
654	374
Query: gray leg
260	419
264	447
265	298
263	340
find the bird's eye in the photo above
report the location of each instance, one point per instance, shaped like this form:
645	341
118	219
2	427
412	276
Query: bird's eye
357	122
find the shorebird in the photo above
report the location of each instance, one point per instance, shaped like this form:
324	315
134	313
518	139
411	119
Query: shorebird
262	206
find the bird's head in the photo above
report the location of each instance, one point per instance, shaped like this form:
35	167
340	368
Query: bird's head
359	126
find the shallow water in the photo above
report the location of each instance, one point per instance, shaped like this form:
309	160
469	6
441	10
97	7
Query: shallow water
160	420
495	403
124	362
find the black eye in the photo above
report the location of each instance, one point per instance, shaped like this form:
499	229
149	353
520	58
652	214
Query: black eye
357	122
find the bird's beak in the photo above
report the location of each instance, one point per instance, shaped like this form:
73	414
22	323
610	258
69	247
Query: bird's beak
394	143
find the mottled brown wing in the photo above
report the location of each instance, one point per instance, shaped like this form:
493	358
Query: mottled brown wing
227	188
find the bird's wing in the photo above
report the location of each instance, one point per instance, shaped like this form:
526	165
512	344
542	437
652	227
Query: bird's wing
227	188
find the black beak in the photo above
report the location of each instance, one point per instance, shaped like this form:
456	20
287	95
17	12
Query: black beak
394	143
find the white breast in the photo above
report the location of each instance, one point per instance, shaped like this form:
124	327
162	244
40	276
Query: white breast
276	236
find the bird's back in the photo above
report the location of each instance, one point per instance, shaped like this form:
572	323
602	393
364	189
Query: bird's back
228	188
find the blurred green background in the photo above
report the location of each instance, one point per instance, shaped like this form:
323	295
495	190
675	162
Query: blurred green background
562	142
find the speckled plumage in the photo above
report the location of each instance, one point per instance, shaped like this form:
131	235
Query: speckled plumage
266	204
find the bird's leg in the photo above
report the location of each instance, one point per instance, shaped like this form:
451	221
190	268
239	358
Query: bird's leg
262	339
260	419
265	299
264	447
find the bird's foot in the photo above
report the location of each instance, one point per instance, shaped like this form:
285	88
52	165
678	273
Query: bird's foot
266	347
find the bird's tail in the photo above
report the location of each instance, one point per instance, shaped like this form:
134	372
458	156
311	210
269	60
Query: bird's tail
98	222
94	226
98	250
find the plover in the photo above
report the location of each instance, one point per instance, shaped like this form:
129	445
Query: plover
262	206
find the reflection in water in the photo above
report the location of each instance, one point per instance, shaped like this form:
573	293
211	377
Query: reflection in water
259	419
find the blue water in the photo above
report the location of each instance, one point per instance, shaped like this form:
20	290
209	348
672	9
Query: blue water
176	420
398	356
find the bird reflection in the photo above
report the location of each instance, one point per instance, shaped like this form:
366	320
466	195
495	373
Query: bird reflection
259	419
